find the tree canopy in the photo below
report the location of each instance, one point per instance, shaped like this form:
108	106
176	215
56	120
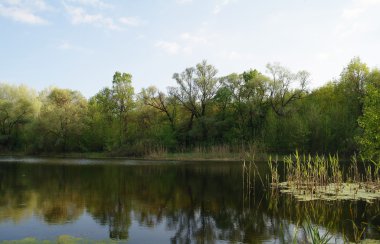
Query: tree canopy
274	111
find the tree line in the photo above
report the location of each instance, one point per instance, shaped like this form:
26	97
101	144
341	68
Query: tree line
274	111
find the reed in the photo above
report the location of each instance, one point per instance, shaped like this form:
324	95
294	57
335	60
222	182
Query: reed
313	234
250	172
318	177
358	231
273	167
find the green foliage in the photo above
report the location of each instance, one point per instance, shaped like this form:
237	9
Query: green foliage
370	121
274	112
314	236
61	122
18	107
122	97
281	87
109	112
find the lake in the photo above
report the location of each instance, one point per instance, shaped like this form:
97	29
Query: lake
163	202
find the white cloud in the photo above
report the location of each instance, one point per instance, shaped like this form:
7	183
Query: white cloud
184	1
41	5
195	39
24	11
169	47
237	56
80	16
185	43
65	45
358	17
221	4
131	21
358	8
35	5
92	3
21	15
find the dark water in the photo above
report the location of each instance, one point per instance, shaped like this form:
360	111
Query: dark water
152	202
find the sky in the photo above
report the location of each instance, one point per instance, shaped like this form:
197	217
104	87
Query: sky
80	44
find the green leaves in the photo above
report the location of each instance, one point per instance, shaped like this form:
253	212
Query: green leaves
202	109
369	140
62	121
18	106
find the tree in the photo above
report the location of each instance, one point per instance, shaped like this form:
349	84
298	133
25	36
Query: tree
353	80
158	100
18	107
100	134
256	91
282	89
62	120
122	95
249	95
369	141
197	88
350	89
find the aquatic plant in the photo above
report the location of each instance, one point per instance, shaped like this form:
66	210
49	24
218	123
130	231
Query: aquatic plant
318	177
313	234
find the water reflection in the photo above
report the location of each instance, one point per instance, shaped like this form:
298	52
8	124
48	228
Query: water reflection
195	202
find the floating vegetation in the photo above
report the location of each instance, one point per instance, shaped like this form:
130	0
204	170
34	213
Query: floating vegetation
331	192
62	239
310	178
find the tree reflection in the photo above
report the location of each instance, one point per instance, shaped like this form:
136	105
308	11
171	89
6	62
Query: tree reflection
200	203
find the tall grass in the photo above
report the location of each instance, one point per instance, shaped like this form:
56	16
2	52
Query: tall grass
317	175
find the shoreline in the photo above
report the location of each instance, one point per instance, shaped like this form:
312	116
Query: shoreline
185	157
190	157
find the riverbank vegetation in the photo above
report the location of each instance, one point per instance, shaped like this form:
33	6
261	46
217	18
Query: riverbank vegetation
262	111
310	178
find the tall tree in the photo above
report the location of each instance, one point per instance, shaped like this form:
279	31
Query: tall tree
197	88
249	94
353	79
122	95
62	120
100	135
369	141
158	100
19	105
285	87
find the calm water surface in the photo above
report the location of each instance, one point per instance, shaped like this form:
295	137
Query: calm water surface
160	202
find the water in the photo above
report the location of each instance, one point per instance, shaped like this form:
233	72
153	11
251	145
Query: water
161	202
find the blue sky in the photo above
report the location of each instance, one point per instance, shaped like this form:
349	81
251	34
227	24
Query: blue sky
79	44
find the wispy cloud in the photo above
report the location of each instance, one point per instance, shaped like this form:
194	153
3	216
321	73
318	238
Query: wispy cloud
184	1
91	3
36	5
81	16
359	8
131	21
220	5
83	12
67	46
169	47
24	11
194	39
358	17
185	43
236	56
